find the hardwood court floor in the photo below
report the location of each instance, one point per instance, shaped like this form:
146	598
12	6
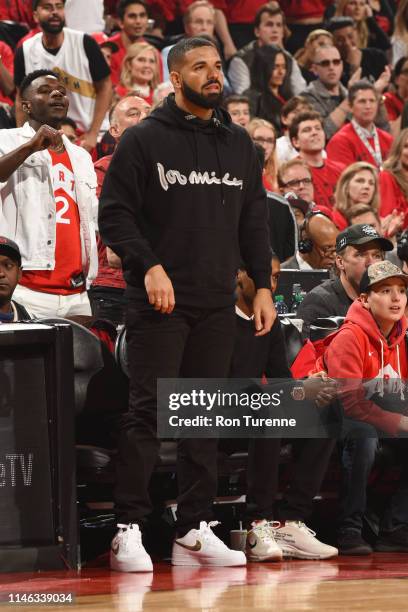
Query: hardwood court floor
377	583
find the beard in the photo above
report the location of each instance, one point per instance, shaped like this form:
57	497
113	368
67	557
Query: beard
211	100
52	29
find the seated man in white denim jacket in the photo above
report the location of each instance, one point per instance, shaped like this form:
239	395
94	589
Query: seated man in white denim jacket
48	203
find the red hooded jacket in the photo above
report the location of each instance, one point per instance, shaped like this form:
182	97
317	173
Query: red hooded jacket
358	352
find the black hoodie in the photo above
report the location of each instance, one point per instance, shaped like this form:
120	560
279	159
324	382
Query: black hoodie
187	194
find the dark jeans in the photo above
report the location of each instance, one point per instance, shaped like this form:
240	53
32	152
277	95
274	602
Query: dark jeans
189	343
309	467
357	458
108	303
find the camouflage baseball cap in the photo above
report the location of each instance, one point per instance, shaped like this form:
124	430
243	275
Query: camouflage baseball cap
380	271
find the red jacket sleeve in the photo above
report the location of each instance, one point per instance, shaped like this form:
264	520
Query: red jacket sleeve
344	361
391	196
339	150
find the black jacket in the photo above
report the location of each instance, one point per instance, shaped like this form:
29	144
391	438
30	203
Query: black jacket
187	194
326	300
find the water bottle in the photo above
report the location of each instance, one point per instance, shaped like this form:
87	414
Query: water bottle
280	305
296	288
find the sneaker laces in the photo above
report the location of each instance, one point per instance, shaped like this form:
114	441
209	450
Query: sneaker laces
266	531
208	535
131	535
304	528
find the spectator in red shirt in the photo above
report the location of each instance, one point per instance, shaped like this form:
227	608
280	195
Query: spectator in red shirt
307	136
394	100
107	291
394	179
361	140
140	71
6	73
133	22
358	184
263	134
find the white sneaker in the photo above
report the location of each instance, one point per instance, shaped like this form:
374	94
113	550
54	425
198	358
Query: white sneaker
261	544
202	547
127	551
296	540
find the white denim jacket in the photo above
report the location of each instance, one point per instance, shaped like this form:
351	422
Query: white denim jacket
27	204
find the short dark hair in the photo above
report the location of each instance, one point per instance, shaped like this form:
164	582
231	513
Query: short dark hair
360	209
37	2
398	67
32	76
306	116
235	99
69	121
177	53
123	4
268	9
337	23
293	103
360	86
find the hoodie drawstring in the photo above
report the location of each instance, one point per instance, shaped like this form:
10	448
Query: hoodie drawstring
382	369
220	171
401	384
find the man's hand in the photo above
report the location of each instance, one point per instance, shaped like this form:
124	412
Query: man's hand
264	312
88	141
46	138
383	80
320	388
159	290
356	76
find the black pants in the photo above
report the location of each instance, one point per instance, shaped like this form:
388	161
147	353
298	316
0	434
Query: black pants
189	343
310	465
108	303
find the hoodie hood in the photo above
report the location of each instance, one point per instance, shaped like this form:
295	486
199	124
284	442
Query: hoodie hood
388	352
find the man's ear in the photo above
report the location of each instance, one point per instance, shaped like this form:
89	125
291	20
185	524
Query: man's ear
175	78
364	300
20	274
295	142
26	106
113	131
339	262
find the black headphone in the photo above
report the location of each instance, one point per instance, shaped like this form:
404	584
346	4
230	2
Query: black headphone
305	244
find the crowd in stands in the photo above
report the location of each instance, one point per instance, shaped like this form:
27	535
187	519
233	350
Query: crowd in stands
322	90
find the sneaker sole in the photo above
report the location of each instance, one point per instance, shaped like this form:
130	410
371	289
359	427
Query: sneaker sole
129	566
294	553
390	548
189	560
274	557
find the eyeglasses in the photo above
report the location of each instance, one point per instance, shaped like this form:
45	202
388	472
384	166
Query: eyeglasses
261	141
327	63
298	182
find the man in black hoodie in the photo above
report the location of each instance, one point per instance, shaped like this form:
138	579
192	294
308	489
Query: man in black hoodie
181	202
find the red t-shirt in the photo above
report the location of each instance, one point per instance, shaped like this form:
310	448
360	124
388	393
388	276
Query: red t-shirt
17	10
391	196
7	58
324	182
68	260
346	147
296	10
170	9
107	276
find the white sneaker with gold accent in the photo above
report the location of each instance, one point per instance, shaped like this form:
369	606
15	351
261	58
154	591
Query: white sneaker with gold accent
127	551
296	540
201	547
260	542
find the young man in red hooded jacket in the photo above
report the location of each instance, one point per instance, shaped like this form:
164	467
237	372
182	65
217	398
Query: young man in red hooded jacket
368	357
